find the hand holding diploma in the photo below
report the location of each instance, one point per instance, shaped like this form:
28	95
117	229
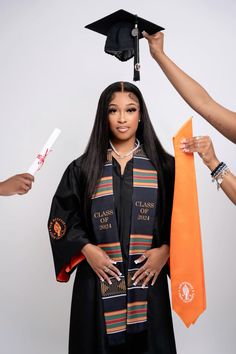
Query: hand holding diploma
18	184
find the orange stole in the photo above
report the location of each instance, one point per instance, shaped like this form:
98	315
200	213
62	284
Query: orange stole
186	260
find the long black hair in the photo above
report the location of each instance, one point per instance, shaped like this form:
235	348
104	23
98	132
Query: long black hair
95	155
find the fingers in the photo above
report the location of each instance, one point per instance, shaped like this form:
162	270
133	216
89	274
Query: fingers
27	176
203	145
144	275
140	259
157	35
195	144
24	187
108	271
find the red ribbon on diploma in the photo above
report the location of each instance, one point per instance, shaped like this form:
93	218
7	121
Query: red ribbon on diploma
42	158
186	260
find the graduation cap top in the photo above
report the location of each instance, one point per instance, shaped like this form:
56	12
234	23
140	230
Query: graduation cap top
123	31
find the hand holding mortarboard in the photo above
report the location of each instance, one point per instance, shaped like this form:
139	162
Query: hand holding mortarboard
156	43
123	31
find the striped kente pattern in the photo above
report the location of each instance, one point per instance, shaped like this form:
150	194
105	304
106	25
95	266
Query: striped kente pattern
103	188
113	250
115	321
144	178
137	312
140	243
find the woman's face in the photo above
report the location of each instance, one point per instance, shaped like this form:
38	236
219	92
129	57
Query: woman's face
123	116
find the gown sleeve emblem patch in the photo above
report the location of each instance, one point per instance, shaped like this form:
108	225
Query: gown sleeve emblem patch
57	228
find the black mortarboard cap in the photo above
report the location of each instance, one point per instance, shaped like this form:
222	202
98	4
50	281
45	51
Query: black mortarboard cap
123	31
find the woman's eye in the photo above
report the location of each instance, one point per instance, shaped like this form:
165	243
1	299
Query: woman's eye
132	109
112	110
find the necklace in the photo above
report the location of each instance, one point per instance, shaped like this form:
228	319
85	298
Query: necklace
136	146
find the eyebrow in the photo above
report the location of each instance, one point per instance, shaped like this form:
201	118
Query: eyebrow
129	104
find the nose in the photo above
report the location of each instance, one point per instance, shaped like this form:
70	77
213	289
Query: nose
122	117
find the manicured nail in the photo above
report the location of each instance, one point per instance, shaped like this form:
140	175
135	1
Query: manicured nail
113	262
135	283
117	278
137	261
102	279
143	286
133	278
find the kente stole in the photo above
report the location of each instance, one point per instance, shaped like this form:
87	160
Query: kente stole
124	304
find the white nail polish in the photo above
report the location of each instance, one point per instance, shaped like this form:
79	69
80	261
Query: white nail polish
136	261
135	283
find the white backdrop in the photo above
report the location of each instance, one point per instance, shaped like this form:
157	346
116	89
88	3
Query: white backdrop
52	71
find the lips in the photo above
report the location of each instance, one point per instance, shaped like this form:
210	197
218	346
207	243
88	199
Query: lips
122	129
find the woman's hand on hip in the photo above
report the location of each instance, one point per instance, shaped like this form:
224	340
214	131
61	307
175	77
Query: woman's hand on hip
154	259
101	263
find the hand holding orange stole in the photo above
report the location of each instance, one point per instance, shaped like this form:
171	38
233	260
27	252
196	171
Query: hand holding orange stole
186	261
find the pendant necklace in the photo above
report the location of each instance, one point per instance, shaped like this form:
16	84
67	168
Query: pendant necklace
136	146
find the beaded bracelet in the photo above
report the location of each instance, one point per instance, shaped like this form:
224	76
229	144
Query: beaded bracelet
218	169
218	174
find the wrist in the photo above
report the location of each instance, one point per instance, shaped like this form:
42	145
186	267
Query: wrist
159	56
166	250
85	249
213	164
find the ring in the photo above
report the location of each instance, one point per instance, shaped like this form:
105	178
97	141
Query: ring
106	269
147	273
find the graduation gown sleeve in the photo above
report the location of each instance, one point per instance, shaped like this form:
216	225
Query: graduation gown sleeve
65	225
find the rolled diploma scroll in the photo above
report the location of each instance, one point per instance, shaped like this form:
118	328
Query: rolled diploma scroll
39	161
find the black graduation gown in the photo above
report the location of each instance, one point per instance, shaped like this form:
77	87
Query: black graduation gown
87	327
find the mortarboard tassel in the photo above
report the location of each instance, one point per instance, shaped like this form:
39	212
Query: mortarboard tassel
135	34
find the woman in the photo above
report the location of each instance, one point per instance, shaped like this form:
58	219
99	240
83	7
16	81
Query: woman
195	95
112	213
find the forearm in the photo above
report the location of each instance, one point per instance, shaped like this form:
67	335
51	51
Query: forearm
197	97
228	184
193	93
4	189
1	188
229	187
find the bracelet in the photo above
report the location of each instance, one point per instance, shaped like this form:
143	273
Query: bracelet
218	174
218	168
